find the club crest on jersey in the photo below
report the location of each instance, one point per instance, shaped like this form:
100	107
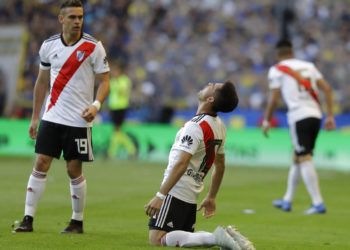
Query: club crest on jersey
80	55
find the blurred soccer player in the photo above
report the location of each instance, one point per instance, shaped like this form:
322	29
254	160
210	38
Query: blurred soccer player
69	62
118	103
299	81
198	145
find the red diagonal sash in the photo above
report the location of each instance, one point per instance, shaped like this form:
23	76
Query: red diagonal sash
302	81
68	69
209	147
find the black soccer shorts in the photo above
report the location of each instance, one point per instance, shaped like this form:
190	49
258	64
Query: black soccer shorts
174	215
118	116
304	134
74	142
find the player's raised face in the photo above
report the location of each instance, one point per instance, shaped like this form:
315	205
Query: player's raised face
208	91
71	19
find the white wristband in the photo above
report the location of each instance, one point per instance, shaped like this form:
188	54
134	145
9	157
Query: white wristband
160	195
265	123
97	104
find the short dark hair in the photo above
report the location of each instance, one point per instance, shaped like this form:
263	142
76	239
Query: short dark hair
71	3
225	98
284	43
284	47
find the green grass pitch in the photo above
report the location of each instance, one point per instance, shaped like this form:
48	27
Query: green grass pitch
118	190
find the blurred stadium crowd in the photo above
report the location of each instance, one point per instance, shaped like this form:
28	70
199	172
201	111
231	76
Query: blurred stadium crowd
172	47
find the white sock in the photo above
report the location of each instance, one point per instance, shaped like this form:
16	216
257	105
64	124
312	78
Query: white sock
78	195
293	180
35	188
187	239
310	178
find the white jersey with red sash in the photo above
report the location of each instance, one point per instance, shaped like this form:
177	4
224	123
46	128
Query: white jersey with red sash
300	103
72	77
203	137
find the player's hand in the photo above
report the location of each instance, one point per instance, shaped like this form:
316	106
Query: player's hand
329	123
265	126
209	207
153	207
33	127
89	113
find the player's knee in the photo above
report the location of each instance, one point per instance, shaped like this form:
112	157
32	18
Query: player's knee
155	239
303	158
42	164
73	173
74	169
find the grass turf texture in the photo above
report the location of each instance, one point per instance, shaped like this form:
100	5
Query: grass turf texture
118	190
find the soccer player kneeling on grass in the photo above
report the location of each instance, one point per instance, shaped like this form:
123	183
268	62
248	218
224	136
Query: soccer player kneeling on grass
198	145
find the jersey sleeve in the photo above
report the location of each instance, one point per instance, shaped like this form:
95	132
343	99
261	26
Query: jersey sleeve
190	138
274	77
99	59
44	60
316	72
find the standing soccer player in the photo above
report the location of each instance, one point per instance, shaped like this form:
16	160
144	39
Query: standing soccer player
198	145
299	81
69	62
118	103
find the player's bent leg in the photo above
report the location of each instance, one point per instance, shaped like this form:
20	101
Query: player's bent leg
292	183
310	178
179	238
155	237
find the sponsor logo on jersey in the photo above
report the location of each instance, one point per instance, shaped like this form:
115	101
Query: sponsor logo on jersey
80	55
170	224
187	139
197	176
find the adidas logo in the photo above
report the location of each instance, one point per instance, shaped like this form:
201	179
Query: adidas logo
170	224
187	139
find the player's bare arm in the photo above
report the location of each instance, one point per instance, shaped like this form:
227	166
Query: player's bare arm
179	169
40	90
327	90
208	204
271	105
90	112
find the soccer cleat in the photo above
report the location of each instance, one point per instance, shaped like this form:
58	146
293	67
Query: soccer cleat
224	240
242	241
25	226
283	205
74	227
316	209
